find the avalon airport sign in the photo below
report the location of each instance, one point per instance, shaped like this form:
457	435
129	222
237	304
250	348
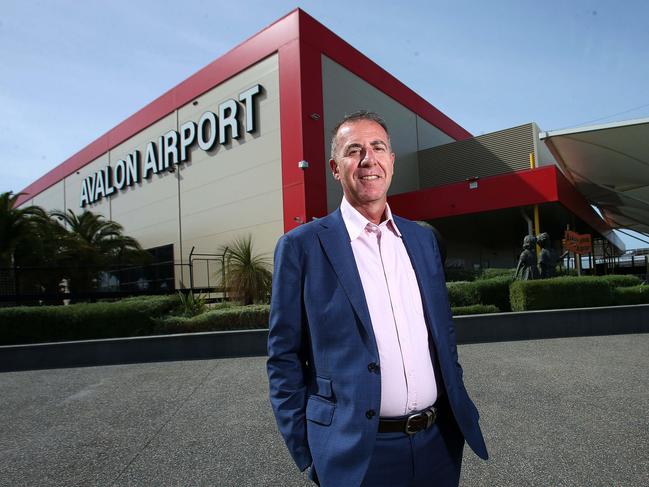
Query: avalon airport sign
172	148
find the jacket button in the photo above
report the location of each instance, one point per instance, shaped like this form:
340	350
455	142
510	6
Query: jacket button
370	413
373	367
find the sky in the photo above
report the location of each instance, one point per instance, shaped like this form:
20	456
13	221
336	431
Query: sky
72	70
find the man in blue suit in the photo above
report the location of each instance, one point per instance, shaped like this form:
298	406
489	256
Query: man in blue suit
363	370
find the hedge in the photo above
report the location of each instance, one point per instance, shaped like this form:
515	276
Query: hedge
492	272
84	321
560	293
458	274
475	309
229	318
617	280
631	295
493	291
462	293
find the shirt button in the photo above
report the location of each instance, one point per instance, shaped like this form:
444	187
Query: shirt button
370	413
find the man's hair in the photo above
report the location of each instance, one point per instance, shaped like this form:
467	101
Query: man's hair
355	117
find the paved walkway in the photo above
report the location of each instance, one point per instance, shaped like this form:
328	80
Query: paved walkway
557	412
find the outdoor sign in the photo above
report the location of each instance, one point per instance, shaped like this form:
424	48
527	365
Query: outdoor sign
577	243
173	147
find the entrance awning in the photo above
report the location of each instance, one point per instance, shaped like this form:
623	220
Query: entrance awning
609	165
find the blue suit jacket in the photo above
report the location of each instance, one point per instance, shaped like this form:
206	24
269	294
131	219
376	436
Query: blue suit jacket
321	342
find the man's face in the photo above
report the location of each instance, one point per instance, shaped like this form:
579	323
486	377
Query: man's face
363	162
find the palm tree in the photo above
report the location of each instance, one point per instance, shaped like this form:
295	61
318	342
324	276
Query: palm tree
101	240
17	225
247	275
91	242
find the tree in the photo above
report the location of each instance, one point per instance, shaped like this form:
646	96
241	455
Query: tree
90	242
17	226
247	275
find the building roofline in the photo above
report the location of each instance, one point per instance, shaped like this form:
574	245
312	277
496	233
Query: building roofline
592	128
296	26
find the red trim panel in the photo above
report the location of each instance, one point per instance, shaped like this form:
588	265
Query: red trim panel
521	188
290	113
313	132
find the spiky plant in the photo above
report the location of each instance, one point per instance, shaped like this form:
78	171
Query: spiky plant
247	276
192	304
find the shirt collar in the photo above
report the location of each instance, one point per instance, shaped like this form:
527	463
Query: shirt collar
356	223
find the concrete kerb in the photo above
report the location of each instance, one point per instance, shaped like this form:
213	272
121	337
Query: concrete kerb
208	345
557	323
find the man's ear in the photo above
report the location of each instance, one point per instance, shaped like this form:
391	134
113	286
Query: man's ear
334	169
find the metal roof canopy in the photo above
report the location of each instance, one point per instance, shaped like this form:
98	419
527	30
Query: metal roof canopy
609	165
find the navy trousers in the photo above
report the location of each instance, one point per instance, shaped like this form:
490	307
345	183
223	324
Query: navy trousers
429	458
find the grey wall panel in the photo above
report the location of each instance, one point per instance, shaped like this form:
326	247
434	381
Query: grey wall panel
486	155
344	93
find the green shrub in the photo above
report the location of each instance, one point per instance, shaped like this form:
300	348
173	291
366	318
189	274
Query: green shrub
226	318
560	293
631	295
492	272
191	304
494	291
124	318
475	309
462	293
616	280
455	274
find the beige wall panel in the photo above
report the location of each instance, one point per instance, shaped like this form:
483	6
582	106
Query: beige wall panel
264	240
73	189
264	73
230	191
53	198
235	189
257	216
148	210
344	93
254	169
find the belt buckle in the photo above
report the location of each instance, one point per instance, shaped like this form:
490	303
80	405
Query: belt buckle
429	414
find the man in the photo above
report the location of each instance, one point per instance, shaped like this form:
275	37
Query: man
363	370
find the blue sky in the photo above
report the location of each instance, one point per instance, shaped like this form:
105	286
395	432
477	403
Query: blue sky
72	70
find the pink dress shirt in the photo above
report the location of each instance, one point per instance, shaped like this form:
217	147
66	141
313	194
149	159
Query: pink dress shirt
394	302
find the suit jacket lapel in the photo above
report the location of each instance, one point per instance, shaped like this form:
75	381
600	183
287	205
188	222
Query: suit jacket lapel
335	242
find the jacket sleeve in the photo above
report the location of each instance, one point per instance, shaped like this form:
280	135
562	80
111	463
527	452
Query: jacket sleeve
287	353
451	327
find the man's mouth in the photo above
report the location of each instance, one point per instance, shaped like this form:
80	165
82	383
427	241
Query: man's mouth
369	178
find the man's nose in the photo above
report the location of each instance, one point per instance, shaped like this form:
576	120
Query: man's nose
369	157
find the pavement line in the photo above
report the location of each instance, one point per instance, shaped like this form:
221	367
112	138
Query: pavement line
206	376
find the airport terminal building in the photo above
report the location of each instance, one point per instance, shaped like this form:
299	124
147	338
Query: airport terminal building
241	147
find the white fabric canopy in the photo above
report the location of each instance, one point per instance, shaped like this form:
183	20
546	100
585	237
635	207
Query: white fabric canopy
609	165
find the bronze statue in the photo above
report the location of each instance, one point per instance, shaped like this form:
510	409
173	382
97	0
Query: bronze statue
549	258
526	268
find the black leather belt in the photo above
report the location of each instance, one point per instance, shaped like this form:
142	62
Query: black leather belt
409	424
